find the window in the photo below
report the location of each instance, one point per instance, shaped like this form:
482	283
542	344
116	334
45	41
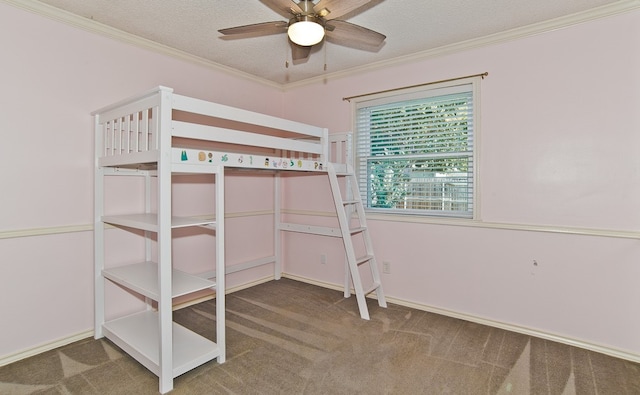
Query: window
415	150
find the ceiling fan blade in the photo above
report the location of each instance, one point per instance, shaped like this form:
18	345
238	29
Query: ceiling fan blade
345	32
283	7
263	28
332	9
299	54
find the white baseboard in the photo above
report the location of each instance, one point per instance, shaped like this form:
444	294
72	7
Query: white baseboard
633	357
15	357
5	360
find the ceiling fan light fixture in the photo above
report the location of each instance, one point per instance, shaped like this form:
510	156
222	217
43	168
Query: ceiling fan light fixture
305	31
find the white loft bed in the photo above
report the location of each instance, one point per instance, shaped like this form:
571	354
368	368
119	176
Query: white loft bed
131	134
160	133
135	133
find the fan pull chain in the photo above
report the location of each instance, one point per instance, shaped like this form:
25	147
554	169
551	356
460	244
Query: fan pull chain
325	56
287	53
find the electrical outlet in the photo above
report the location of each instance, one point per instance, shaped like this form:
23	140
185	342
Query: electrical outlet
323	258
386	267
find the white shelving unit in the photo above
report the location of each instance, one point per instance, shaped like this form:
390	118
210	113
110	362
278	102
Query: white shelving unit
136	137
150	336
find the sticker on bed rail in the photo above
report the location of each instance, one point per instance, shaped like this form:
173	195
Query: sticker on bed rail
245	160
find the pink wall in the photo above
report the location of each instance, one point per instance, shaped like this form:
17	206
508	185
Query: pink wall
52	77
558	103
559	148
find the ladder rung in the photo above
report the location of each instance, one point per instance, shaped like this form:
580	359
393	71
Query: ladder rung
372	288
363	259
357	230
350	202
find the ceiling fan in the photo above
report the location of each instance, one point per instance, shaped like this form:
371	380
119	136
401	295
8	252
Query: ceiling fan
309	23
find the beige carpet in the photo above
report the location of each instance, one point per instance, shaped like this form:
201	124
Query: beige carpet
286	337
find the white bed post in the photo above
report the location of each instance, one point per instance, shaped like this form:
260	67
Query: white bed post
326	146
277	234
98	232
349	163
147	235
163	134
220	266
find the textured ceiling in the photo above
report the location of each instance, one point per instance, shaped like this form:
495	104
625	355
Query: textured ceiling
411	26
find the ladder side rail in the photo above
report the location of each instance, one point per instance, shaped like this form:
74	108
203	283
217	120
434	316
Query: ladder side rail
359	210
349	213
346	153
348	243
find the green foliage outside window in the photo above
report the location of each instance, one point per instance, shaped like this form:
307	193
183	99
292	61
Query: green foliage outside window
420	154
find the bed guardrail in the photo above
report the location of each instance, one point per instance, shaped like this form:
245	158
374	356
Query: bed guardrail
134	130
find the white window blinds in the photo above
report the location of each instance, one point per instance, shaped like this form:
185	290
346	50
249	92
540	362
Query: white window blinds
415	151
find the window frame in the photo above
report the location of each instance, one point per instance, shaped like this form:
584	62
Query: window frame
422	92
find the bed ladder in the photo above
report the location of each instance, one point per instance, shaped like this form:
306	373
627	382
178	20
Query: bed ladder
353	224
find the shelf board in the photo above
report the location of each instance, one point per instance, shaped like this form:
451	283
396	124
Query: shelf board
150	221
138	335
143	278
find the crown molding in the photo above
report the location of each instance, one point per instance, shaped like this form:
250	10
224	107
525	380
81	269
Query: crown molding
93	26
608	10
90	25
